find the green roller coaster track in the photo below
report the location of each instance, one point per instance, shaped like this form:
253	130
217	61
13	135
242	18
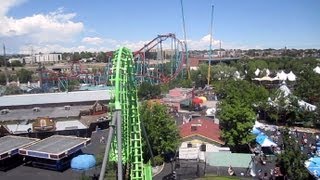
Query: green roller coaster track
126	148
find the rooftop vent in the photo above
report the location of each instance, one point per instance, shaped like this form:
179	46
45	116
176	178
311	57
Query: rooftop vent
4	111
67	108
36	109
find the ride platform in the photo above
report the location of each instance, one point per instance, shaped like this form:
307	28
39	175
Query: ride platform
54	152
9	147
55	147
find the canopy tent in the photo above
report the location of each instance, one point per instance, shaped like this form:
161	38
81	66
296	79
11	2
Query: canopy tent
204	99
268	143
307	106
237	75
257	124
264	141
197	100
317	70
260	138
267	72
284	88
291	76
281	76
313	166
257	72
255	131
265	78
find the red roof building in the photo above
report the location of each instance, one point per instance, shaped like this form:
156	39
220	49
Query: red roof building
202	129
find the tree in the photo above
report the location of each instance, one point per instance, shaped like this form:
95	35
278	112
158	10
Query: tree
237	114
307	86
12	89
24	75
76	56
148	91
101	57
161	130
292	160
236	121
16	63
2	79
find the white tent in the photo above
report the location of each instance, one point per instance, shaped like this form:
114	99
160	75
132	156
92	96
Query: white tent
267	72
285	90
281	76
237	75
302	104
291	76
257	124
306	105
268	143
317	70
265	78
257	72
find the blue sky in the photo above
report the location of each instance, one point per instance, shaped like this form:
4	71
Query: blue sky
64	25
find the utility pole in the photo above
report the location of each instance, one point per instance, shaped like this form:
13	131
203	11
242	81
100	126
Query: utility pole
210	48
220	52
5	64
185	41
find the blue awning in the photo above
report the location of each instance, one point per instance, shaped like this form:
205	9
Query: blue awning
313	166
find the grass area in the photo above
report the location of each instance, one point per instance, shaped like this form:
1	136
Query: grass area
215	177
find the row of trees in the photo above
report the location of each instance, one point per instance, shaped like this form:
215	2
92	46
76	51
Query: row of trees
75	56
23	75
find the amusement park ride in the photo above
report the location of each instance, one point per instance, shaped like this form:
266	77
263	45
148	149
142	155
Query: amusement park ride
129	69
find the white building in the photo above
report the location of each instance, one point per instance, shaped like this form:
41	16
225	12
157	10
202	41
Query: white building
48	57
15	59
200	136
53	57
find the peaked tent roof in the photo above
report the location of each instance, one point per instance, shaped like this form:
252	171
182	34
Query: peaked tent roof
257	72
281	76
284	88
317	69
291	76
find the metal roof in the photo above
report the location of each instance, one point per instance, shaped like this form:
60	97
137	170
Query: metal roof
55	147
54	98
51	112
71	124
60	126
10	144
226	159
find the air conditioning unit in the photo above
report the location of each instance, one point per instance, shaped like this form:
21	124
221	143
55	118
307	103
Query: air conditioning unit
5	111
67	108
36	109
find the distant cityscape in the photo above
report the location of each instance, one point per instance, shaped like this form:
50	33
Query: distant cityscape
216	53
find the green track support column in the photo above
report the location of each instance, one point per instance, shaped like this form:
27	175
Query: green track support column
125	101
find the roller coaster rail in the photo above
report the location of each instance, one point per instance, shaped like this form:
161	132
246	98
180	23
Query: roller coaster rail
124	145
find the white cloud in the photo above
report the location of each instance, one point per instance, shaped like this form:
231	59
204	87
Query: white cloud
7	4
55	26
203	43
93	40
49	48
